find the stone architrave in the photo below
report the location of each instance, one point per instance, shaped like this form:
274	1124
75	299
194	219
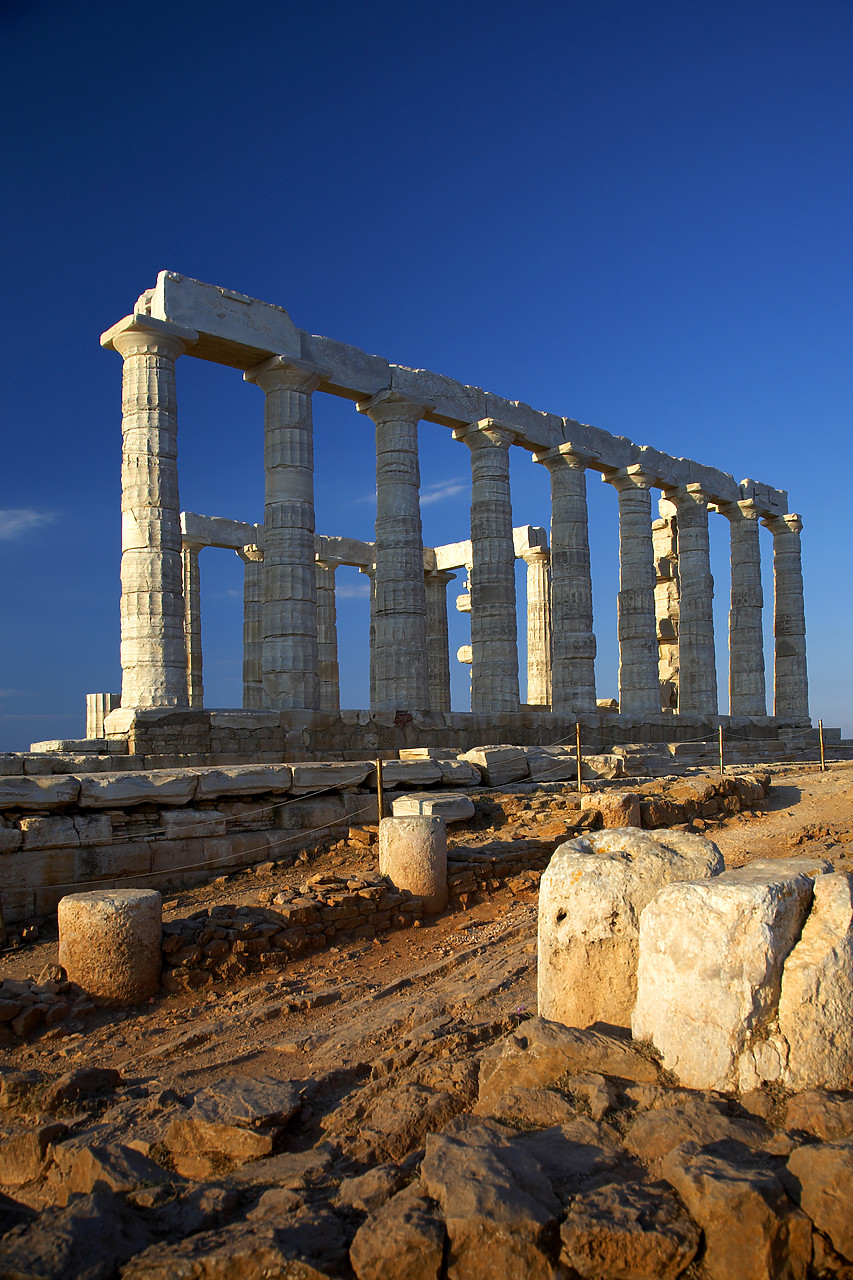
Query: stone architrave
573	641
697	665
253	619
399	610
327	637
438	653
538	561
290	583
153	649
790	677
747	694
639	685
494	643
192	624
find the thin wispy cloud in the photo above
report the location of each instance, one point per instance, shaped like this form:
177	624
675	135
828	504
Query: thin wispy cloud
444	489
353	590
15	521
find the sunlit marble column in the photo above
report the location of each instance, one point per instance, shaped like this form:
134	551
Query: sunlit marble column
747	693
290	583
573	641
399	618
370	574
494	645
790	677
327	636
253	619
192	623
538	561
438	654
697	665
639	687
153	648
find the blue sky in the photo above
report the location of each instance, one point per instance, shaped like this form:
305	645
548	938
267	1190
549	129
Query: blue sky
632	213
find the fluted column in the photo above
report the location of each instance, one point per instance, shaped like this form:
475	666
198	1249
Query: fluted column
369	573
290	585
494	645
153	649
747	694
399	618
327	636
573	642
538	561
790	676
438	654
639	687
253	620
697	665
192	623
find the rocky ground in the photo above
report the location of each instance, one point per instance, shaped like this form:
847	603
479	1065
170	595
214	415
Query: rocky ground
391	1106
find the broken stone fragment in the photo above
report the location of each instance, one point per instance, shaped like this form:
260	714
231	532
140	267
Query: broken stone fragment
404	1238
625	1229
820	1179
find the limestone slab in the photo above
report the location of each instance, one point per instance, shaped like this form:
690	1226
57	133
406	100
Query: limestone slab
29	793
591	898
243	780
408	773
120	790
313	776
499	764
453	807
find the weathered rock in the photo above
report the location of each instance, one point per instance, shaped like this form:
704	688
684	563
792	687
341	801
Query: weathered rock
540	1052
109	943
122	790
596	1092
242	780
572	1155
627	1230
710	970
655	1133
88	1240
497	1203
826	1116
539	1108
36	793
458	773
408	773
26	1157
404	1240
369	1191
752	1230
236	1118
451	806
315	775
82	1083
112	1167
815	1026
590	900
821	1181
498	765
618	809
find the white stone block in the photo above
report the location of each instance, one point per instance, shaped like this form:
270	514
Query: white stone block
243	780
37	792
710	970
120	790
315	775
408	773
459	773
452	806
590	900
182	824
499	765
617	808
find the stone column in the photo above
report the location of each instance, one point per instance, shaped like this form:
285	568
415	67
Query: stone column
327	637
697	665
192	623
573	660
494	645
747	694
368	572
399	619
153	650
438	653
253	619
538	561
667	600
639	689
790	677
290	584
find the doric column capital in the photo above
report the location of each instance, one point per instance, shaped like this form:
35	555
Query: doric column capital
566	455
687	495
536	555
392	406
629	479
439	576
137	334
739	511
791	523
286	373
488	433
250	554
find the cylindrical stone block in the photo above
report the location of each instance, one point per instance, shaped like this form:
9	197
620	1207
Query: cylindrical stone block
109	943
413	854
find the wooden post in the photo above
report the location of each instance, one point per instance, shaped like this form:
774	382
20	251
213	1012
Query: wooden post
380	794
578	751
822	748
722	763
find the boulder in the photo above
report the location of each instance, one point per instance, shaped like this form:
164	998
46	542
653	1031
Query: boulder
625	1229
617	808
655	1133
452	806
826	1116
90	1238
26	1157
539	1053
112	1167
498	765
710	971
404	1240
236	1119
752	1230
820	1179
590	900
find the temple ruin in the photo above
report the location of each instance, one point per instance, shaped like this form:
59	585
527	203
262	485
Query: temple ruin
667	666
